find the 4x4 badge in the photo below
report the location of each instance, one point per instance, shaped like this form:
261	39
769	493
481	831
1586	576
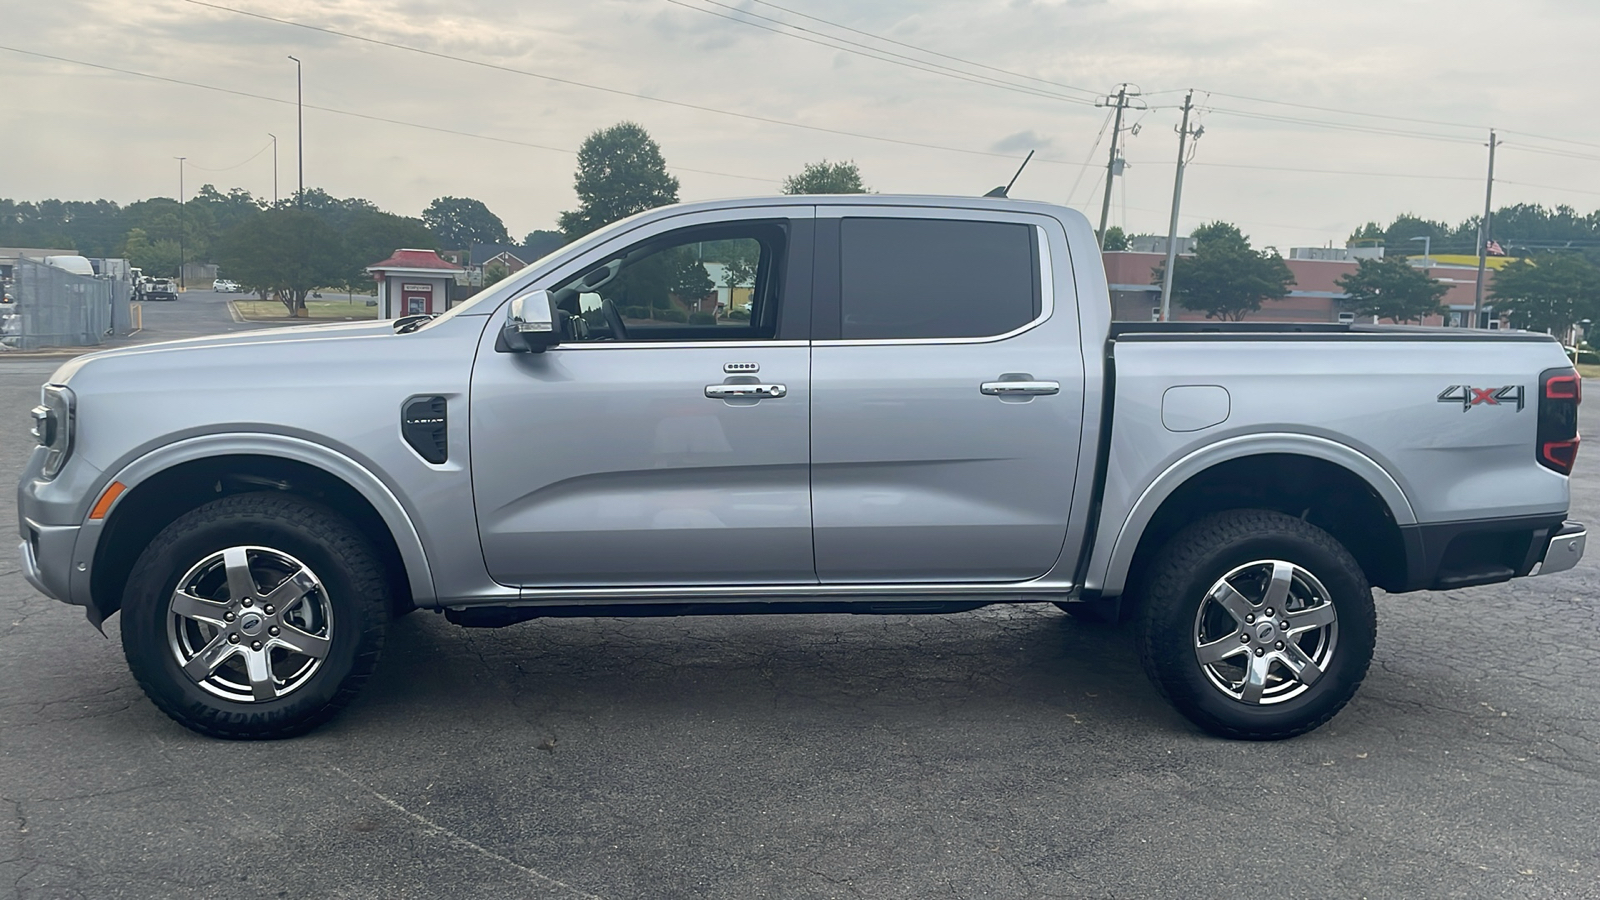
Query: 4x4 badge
1469	396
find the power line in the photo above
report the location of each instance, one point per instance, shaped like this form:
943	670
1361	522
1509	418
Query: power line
1342	126
968	62
910	62
346	112
235	165
1350	112
594	87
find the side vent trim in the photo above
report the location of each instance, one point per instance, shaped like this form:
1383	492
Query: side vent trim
425	424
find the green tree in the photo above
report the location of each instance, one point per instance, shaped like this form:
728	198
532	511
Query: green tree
826	178
462	222
495	272
1391	288
373	236
690	280
1116	239
1225	278
1549	292
286	251
620	172
541	243
155	258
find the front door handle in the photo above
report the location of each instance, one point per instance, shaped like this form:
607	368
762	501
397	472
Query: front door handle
1020	388
745	391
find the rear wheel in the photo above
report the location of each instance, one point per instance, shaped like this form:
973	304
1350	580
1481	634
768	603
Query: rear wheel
255	616
1256	625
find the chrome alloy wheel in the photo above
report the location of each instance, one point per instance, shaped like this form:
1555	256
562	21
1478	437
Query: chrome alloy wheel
1265	632
250	624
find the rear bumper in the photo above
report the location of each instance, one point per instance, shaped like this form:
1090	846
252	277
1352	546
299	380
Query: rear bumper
1449	555
1564	550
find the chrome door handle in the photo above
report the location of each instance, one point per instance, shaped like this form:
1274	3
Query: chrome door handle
1019	388
745	391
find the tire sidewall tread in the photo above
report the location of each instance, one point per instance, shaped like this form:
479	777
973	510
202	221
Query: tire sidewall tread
322	539
1186	567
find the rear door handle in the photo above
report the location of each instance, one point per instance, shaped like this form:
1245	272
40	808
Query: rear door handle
1019	388
745	391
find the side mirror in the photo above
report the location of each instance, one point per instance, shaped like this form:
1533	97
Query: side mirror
530	323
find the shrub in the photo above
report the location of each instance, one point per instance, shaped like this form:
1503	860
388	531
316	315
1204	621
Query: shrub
702	318
742	314
671	315
635	312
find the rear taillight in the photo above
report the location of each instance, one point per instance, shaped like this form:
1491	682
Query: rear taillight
1560	392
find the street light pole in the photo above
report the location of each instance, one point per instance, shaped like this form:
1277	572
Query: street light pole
180	160
274	167
300	129
1427	249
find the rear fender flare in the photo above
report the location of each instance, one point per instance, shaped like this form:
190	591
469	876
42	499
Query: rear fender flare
1108	568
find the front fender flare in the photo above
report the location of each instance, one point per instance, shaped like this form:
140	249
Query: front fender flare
388	506
1114	550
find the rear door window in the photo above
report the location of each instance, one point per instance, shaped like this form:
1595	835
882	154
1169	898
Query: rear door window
936	278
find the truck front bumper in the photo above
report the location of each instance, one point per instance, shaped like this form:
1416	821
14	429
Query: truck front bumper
47	552
1564	550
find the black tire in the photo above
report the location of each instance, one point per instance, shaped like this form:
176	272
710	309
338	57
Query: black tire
1251	547
349	593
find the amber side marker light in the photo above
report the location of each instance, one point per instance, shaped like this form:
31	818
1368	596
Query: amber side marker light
103	505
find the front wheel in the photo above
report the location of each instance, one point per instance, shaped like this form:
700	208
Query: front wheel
1256	625
254	616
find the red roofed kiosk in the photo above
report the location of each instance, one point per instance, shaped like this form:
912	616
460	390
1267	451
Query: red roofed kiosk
413	281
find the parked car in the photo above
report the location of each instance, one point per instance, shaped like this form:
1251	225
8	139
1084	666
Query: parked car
224	286
158	289
928	410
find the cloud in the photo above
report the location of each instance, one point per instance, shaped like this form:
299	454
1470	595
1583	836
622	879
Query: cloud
1021	142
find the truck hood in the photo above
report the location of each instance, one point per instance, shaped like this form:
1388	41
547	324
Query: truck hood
291	336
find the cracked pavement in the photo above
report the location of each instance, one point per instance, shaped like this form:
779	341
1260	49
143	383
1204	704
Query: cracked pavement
1008	752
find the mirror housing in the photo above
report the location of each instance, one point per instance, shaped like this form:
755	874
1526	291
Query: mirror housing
530	323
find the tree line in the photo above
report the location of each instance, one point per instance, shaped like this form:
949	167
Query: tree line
313	239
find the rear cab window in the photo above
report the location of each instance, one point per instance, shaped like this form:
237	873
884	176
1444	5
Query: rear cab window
930	279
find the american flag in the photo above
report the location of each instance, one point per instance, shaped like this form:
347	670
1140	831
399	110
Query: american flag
1492	248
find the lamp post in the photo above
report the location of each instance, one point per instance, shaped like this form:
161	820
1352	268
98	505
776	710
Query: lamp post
274	167
1427	249
180	160
300	129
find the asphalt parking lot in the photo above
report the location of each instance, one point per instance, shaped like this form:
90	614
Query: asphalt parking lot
1009	752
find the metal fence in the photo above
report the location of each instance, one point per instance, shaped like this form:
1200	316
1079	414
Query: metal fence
55	308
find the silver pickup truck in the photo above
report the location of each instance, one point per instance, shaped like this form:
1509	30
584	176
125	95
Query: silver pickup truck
866	404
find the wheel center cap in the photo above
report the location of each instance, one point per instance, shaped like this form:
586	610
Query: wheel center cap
1265	632
250	623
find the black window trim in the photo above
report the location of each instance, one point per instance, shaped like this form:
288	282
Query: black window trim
828	292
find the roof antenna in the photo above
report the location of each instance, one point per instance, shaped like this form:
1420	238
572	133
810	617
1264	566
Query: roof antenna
1003	191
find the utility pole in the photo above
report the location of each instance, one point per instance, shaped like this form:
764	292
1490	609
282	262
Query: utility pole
1177	196
1483	233
300	129
274	167
180	160
1125	92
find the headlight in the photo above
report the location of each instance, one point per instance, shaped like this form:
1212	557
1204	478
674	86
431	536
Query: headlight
53	425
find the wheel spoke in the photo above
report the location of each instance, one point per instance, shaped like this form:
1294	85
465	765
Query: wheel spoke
1315	617
212	655
257	665
1232	601
1219	650
191	607
241	583
1278	587
291	591
301	642
1255	679
1305	671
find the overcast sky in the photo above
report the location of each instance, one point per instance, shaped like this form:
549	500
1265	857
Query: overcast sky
1445	69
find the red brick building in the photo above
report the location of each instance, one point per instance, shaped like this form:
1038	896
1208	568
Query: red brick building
1314	297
